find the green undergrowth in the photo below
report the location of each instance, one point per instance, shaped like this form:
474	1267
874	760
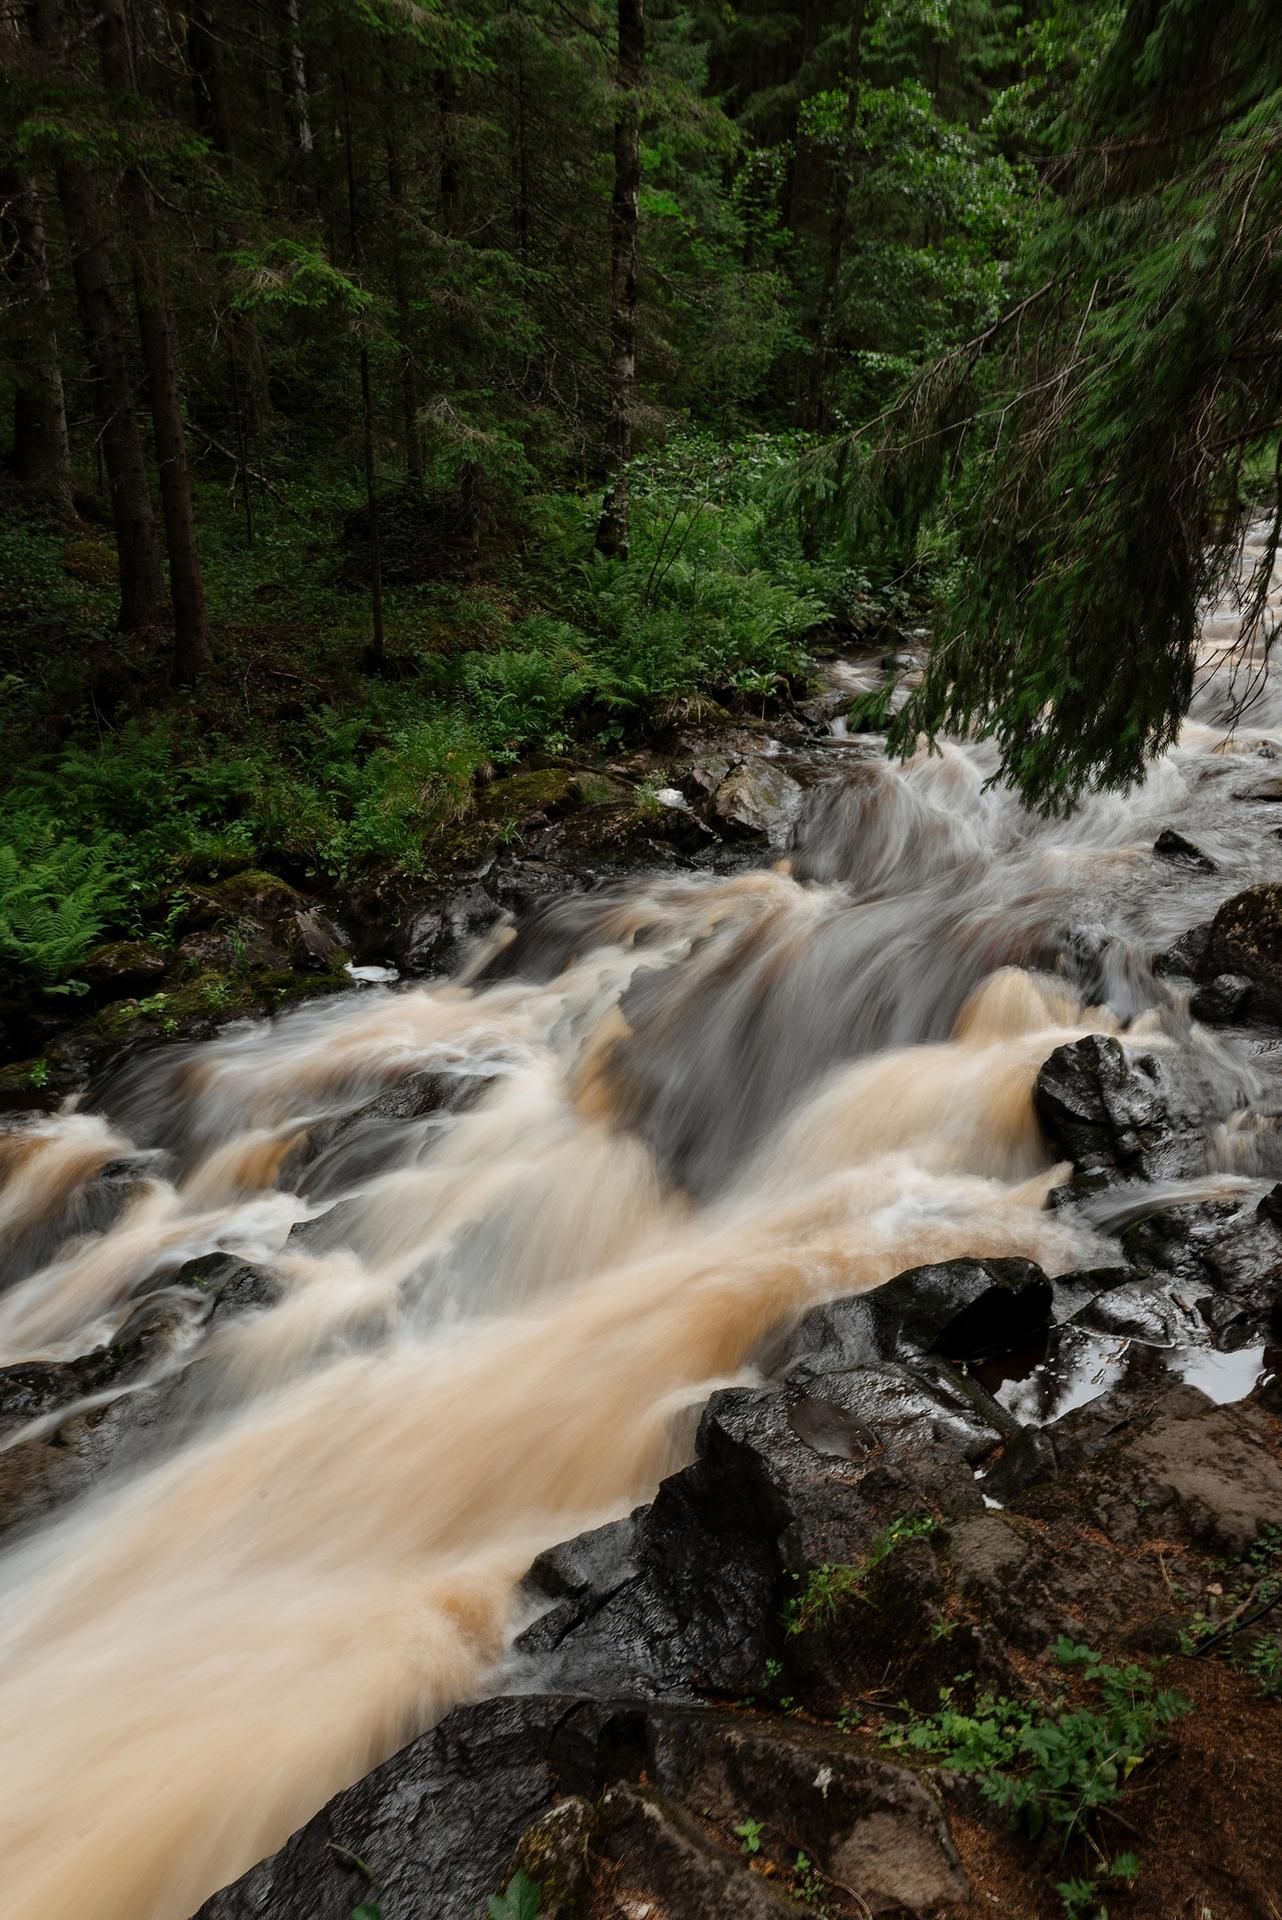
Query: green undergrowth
1056	1768
831	1588
1245	1619
292	756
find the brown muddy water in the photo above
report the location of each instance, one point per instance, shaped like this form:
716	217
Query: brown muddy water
665	1120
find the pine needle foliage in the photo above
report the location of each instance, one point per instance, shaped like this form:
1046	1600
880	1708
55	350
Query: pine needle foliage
1094	454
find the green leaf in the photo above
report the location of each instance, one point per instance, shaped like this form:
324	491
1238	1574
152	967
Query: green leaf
520	1900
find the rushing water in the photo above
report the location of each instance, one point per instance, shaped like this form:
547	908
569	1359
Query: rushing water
669	1117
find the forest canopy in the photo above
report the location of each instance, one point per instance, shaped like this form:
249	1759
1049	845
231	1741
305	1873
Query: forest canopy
396	389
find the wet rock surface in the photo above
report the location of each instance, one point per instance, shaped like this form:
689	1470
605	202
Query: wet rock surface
1245	940
1115	1113
650	1729
1171	845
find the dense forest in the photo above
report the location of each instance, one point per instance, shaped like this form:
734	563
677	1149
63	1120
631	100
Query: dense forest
400	390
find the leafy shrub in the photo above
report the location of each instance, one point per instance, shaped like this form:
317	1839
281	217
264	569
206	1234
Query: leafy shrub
1052	1767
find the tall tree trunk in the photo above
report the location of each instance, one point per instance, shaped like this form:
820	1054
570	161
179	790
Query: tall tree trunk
521	151
294	75
612	528
160	361
208	82
375	530
143	599
404	319
41	451
838	229
356	252
448	172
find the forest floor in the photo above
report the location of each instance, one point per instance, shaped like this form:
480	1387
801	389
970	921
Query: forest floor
520	681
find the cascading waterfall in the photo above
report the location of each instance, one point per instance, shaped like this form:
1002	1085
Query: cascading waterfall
664	1120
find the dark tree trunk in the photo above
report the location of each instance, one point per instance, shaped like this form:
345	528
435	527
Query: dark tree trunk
404	320
448	174
838	230
160	360
521	151
143	600
375	531
41	452
612	528
294	78
357	253
208	83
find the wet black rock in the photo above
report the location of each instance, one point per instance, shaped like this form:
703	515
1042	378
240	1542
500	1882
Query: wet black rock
437	936
1170	845
231	1285
1114	1113
1223	1000
1183	956
958	1310
788	1477
655	1791
33	1389
1246	940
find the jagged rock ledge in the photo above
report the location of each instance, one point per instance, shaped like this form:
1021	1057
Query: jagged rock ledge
657	1705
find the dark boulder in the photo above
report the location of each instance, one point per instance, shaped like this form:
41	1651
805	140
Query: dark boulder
122	967
958	1310
759	798
655	1791
1183	956
787	1478
1223	1000
1246	940
1119	1114
33	1389
1170	845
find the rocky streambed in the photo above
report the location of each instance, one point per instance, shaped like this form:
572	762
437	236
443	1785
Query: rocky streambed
685	1164
695	1720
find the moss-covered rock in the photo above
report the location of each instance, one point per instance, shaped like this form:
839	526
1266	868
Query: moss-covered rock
251	892
523	795
123	966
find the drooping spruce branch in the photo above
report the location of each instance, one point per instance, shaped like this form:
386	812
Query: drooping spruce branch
1095	453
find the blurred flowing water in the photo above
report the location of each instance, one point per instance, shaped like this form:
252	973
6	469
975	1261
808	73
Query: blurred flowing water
658	1123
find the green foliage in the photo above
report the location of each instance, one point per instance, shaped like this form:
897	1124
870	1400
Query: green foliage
520	1900
750	1832
1091	454
1263	1662
1080	1896
56	897
1248	1592
829	1589
1052	1767
807	1884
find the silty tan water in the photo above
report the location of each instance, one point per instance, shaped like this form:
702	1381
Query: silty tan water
707	1103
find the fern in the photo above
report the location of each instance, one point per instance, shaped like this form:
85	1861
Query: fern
56	897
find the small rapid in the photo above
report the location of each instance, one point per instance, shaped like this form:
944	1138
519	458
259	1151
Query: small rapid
517	1226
